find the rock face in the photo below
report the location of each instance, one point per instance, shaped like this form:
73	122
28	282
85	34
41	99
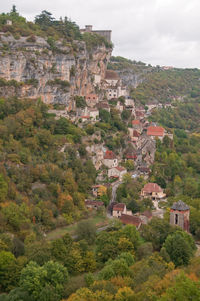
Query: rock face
37	68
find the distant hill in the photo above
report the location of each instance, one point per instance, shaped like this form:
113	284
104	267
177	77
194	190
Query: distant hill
155	84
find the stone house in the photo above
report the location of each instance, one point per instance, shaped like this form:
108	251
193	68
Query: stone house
94	204
119	209
129	103
85	118
104	106
152	191
119	107
156	132
131	220
111	78
117	172
110	160
179	215
91	100
115	91
9	22
104	33
137	125
94	114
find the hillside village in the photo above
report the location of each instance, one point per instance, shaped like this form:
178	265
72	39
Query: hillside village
139	150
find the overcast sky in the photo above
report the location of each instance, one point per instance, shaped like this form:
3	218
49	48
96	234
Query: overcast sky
159	32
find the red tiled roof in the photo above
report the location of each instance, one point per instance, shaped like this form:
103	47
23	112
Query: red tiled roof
119	207
94	203
120	168
152	187
130	220
135	122
86	117
109	155
110	74
136	134
155	131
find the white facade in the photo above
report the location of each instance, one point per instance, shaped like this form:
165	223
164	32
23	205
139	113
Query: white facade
94	114
97	79
117	172
110	162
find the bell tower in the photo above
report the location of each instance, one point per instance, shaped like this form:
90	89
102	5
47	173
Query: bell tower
179	215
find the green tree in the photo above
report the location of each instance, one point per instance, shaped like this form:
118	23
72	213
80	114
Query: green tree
178	246
44	282
86	230
3	188
9	271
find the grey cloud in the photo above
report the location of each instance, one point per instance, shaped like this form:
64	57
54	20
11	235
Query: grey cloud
164	32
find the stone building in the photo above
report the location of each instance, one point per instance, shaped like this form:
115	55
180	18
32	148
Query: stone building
104	33
110	159
179	215
152	191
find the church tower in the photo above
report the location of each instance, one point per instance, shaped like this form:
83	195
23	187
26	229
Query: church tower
179	215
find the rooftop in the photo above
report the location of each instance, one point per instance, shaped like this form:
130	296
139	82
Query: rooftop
119	207
135	122
110	74
152	187
109	155
130	220
181	206
155	131
94	203
120	168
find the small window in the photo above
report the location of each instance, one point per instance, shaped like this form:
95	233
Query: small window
176	219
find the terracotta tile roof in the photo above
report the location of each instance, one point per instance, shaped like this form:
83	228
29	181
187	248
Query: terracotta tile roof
131	156
135	122
94	203
96	186
86	117
152	187
131	220
120	168
136	134
109	155
155	131
110	74
119	207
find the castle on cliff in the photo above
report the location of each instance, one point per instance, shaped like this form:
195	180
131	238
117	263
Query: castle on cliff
104	33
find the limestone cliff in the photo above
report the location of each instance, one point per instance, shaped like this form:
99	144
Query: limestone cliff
56	74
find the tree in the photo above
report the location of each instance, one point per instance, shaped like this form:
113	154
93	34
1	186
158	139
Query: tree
86	230
45	19
183	289
44	282
125	294
9	271
3	188
178	247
